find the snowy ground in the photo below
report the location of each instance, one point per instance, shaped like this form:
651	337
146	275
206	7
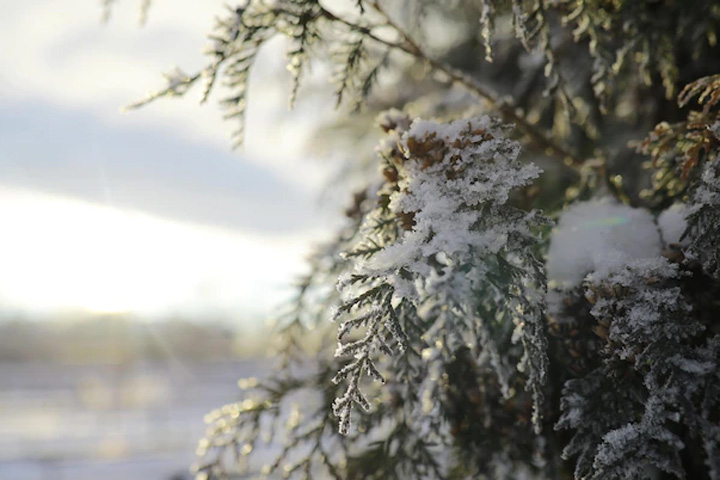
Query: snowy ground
90	422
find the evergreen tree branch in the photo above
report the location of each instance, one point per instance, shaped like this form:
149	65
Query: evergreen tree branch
507	109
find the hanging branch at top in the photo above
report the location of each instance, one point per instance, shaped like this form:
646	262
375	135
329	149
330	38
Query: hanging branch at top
239	37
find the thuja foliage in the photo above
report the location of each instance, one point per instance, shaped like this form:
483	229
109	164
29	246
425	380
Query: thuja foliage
477	339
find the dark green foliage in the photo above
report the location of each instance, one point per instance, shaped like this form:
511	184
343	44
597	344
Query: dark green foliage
657	373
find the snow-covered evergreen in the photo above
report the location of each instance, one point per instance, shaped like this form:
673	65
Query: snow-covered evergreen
501	345
444	254
657	374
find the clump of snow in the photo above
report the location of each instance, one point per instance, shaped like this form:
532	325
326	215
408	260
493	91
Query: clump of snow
600	237
628	274
448	170
673	223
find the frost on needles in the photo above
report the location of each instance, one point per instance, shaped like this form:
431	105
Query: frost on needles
445	264
630	412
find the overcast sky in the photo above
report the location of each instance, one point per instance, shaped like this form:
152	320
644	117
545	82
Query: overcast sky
148	212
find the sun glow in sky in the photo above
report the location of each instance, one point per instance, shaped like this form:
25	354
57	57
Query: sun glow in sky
59	254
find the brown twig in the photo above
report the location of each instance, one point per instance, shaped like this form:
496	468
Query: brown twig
506	109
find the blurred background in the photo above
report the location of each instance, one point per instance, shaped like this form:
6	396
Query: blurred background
139	256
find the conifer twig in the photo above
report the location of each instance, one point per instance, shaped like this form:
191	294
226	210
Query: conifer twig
506	109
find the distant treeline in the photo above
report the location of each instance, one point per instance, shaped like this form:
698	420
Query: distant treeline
118	339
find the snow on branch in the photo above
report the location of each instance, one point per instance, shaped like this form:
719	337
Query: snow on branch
625	428
445	240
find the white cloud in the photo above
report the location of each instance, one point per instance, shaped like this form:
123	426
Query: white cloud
60	53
